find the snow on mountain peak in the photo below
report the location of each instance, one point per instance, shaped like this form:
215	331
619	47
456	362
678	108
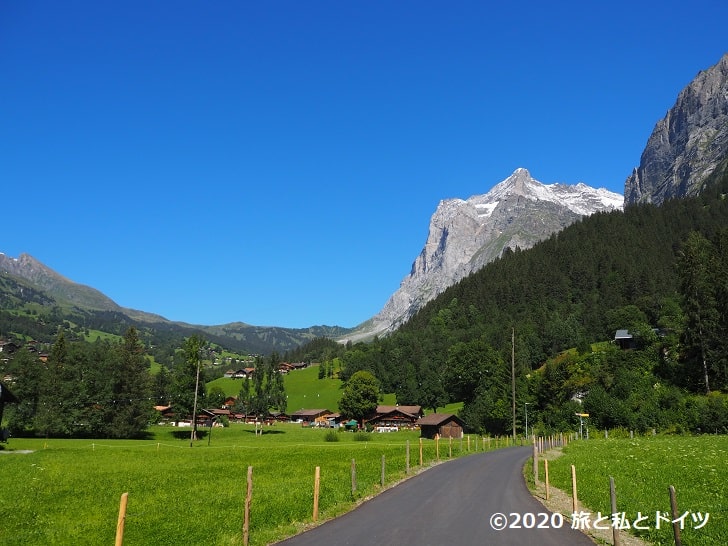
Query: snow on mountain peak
579	198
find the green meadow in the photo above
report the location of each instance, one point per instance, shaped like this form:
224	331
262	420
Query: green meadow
68	491
303	388
643	469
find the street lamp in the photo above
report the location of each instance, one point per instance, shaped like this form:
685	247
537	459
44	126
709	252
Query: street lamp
525	409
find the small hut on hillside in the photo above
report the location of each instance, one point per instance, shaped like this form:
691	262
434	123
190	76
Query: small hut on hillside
446	425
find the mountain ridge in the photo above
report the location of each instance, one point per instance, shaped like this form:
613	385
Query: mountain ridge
25	280
466	234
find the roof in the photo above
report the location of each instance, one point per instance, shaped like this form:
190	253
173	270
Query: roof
310	412
219	411
622	334
410	410
437	419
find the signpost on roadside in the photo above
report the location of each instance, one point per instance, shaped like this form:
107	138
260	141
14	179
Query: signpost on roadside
581	425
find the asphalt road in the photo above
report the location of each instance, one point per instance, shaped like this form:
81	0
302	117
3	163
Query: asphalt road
457	502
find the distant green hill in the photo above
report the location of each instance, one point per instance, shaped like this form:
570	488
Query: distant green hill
303	388
35	302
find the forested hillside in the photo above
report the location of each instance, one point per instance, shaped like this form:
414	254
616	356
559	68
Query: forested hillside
659	272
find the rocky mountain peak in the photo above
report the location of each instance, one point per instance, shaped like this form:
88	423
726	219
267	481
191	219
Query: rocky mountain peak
687	144
466	234
62	289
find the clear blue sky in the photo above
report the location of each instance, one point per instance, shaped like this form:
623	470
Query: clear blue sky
277	163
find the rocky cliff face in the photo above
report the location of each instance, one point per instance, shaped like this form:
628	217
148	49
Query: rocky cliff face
688	144
464	235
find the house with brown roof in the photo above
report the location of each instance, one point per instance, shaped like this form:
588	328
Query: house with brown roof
446	425
395	416
308	416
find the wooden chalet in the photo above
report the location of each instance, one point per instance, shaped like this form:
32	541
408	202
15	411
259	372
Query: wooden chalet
446	425
395	416
308	416
285	367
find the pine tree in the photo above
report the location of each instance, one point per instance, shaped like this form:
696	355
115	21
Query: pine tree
130	388
696	266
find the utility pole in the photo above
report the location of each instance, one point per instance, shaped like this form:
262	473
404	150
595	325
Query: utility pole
513	380
193	434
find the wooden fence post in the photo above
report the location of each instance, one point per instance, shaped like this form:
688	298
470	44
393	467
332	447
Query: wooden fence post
613	501
450	447
535	463
353	476
316	487
675	516
437	446
246	512
407	460
420	451
383	467
574	500
546	477
121	520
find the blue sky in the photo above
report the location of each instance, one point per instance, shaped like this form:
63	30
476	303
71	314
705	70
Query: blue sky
277	163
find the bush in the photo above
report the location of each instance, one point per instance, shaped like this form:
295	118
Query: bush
331	436
361	436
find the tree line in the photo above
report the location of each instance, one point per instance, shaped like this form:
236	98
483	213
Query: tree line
106	389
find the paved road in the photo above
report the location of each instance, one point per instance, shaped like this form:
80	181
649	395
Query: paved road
451	503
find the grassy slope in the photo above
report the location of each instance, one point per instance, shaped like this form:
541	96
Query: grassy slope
303	388
643	469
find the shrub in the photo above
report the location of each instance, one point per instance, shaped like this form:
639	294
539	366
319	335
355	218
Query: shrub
331	436
361	436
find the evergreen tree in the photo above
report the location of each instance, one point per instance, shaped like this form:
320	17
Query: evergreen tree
57	401
130	388
268	389
696	266
27	370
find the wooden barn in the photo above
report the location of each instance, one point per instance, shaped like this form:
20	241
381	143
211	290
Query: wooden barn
446	425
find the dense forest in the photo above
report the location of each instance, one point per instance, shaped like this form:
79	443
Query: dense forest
659	272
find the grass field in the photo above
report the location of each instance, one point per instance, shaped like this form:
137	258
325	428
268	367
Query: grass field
643	469
68	491
303	388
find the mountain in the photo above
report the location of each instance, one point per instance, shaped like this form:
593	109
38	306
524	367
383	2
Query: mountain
58	287
26	283
466	234
687	145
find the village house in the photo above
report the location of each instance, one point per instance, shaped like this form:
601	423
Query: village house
310	417
394	417
624	340
285	367
242	373
446	425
